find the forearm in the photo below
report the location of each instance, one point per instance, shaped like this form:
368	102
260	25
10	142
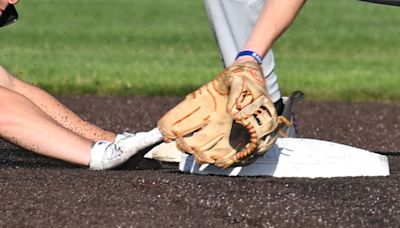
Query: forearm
275	18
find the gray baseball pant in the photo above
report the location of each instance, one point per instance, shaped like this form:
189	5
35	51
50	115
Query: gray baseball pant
232	22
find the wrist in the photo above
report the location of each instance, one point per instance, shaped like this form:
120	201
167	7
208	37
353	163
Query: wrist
247	54
243	59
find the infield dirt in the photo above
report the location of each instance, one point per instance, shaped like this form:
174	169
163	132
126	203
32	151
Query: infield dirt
38	192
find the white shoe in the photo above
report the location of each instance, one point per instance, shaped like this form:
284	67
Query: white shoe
134	142
107	155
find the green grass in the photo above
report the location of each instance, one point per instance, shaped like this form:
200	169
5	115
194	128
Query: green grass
135	47
342	50
336	50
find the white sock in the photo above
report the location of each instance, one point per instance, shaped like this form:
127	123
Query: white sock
99	151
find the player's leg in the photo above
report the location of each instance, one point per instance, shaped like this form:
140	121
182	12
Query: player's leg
53	108
232	22
26	125
23	123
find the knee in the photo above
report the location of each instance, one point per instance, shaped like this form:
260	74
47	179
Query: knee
6	79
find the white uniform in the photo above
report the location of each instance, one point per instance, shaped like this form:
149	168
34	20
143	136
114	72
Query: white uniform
232	22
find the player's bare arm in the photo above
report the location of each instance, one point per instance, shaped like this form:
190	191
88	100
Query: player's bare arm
275	18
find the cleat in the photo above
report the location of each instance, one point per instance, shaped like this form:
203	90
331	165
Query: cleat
290	130
132	143
107	155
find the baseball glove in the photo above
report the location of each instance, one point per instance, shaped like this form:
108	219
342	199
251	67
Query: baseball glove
229	121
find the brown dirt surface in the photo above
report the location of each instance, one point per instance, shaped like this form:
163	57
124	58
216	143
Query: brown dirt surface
36	191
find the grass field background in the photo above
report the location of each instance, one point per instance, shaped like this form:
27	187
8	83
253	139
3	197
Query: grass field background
342	50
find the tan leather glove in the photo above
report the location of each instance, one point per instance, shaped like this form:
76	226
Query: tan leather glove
227	122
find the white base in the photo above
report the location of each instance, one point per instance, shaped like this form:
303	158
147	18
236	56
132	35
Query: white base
298	157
